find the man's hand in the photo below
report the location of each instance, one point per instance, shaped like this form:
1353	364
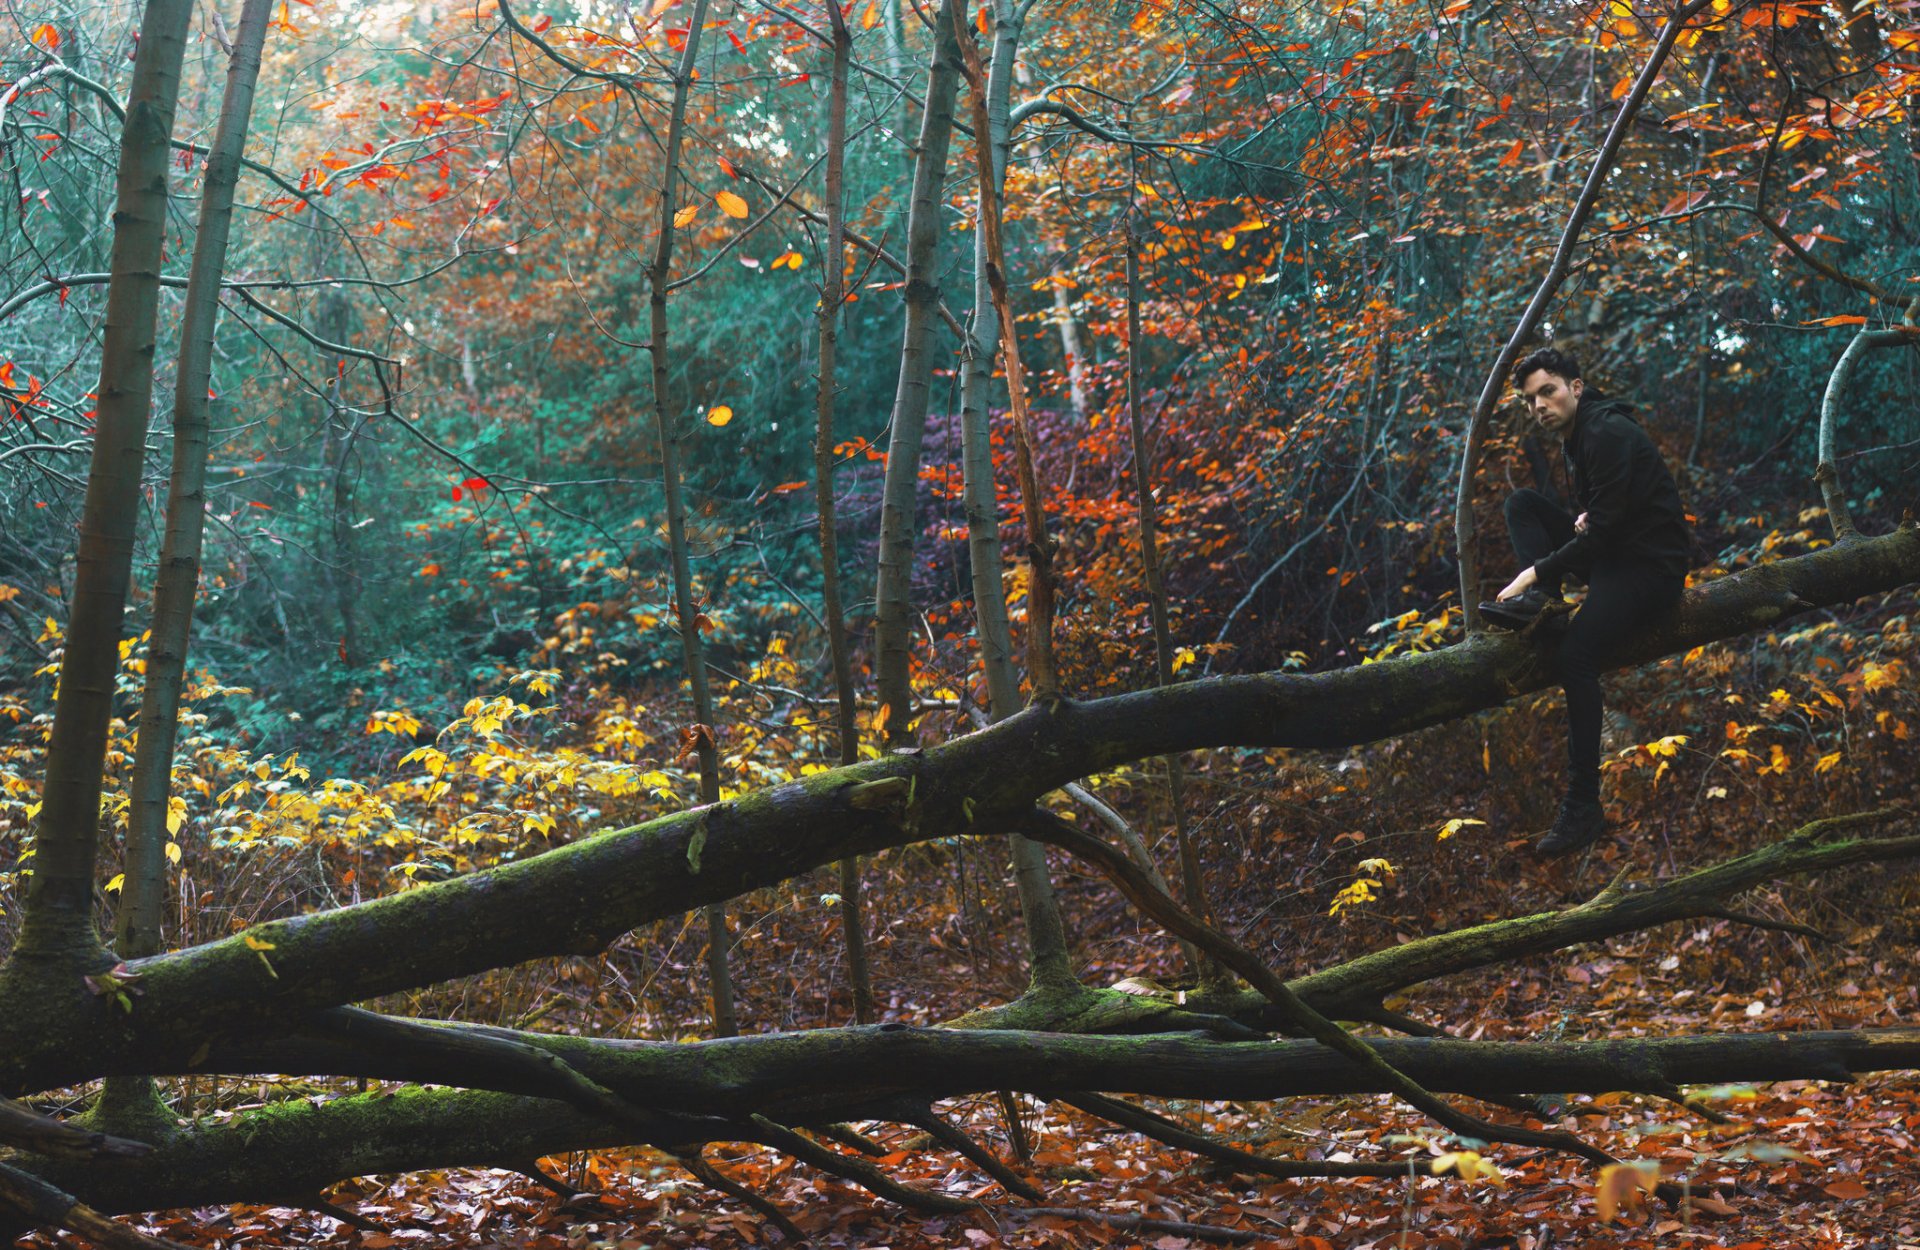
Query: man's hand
1519	585
1580	524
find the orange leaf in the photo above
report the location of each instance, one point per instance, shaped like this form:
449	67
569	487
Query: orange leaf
586	121
731	204
726	167
1843	319
870	18
785	487
1513	154
46	36
719	414
685	216
1845	1189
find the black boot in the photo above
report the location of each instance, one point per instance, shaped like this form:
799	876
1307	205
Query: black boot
1580	823
1519	611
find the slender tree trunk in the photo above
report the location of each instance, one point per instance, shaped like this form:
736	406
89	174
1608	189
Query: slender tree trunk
1040	548
143	896
130	1102
1046	934
832	297
666	421
58	919
893	628
1192	885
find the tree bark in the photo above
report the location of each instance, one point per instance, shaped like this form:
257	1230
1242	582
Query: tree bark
712	1089
893	626
666	424
58	920
832	299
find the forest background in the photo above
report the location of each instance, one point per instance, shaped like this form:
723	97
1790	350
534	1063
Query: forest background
516	460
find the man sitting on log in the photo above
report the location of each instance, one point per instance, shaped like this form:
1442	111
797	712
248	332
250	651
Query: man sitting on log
1629	545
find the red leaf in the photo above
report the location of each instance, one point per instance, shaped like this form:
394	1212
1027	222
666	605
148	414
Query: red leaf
735	41
726	167
1513	154
542	24
476	484
456	494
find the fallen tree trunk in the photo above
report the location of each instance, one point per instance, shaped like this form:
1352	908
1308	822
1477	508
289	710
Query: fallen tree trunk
55	1030
296	1148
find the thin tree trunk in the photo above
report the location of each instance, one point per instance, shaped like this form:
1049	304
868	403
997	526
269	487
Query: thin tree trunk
665	421
1192	885
58	919
131	1100
143	896
893	628
1040	548
1046	934
832	297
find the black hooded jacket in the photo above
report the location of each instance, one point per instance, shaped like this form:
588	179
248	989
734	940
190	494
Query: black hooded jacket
1633	509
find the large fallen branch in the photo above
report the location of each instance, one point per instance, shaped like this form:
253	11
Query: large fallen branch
299	1147
580	897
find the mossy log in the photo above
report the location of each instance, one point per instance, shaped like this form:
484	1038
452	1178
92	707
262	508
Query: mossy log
712	1091
55	1031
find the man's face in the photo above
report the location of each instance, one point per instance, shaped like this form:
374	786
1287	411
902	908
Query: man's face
1551	400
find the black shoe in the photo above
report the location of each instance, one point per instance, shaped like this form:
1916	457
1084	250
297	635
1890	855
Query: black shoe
1517	612
1580	823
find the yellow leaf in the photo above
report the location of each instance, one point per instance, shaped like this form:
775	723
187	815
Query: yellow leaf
1456	825
1468	1165
1826	762
719	414
173	853
119	879
1182	657
176	816
256	943
685	216
1624	1187
731	204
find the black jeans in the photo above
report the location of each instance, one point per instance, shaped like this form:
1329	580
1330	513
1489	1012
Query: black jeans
1623	598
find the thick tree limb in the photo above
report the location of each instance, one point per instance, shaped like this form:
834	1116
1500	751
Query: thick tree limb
860	1073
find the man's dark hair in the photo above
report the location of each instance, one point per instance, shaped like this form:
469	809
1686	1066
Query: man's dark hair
1552	360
